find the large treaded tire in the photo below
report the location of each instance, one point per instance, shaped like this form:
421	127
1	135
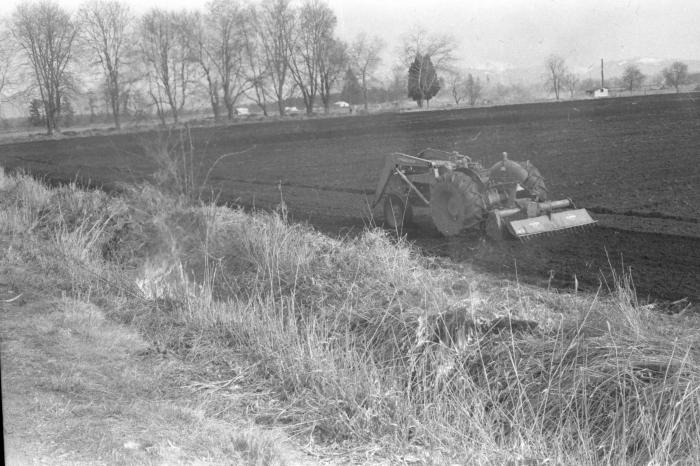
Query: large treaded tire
456	203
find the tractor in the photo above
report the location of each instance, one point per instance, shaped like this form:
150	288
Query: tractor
507	200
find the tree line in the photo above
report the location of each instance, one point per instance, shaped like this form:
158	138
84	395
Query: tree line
560	80
269	53
266	52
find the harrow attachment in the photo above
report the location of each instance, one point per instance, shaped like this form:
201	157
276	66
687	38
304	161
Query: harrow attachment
510	198
548	224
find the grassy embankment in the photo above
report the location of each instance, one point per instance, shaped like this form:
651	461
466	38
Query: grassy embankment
363	343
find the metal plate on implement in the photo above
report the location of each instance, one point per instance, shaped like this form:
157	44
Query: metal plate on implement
544	224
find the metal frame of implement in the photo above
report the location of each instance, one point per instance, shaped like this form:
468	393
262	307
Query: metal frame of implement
522	218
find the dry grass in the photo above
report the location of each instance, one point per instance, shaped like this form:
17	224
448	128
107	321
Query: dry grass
100	403
365	343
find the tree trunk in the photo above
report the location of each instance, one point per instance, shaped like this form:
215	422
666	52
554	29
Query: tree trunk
260	98
280	107
114	97
364	89
215	109
309	104
213	95
47	119
117	121
115	110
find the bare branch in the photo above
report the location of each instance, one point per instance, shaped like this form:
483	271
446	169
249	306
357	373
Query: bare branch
46	34
312	41
440	47
365	59
275	23
166	47
556	71
104	28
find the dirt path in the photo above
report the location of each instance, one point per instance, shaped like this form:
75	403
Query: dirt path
78	388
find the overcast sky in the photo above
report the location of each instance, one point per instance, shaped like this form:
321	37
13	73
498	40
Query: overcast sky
515	32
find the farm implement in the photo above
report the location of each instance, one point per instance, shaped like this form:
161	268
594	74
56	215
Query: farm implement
510	198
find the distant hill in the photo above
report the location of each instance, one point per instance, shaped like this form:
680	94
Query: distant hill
502	73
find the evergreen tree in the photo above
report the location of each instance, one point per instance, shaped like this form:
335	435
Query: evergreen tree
352	91
423	82
36	113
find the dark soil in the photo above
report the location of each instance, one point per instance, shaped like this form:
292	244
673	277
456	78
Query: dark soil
633	162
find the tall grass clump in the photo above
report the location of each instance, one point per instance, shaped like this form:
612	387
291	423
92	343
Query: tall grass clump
366	340
22	204
181	171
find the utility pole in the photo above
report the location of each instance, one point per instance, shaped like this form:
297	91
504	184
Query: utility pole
602	75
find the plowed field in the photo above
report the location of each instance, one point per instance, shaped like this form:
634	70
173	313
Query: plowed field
633	162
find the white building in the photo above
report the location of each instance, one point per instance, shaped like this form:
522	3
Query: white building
600	92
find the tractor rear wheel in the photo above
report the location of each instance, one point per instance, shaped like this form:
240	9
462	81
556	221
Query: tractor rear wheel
397	212
456	203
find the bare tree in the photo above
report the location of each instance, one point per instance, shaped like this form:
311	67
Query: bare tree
275	23
227	19
104	27
473	89
556	71
398	82
92	104
8	63
202	54
676	75
166	47
313	38
456	85
587	84
364	58
218	43
332	62
632	77
257	66
440	48
571	81
46	33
